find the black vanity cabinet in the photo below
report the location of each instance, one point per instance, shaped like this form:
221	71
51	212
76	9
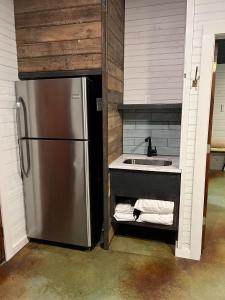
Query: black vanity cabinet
145	184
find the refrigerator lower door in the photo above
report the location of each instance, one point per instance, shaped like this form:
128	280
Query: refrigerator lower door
56	188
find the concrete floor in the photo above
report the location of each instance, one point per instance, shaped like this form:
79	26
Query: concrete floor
132	269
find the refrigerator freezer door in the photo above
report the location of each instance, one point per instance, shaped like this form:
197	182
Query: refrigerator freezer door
52	108
56	191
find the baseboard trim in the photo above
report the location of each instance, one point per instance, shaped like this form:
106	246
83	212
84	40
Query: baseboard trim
17	247
183	253
186	253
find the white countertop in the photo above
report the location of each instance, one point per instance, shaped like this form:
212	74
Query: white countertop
119	164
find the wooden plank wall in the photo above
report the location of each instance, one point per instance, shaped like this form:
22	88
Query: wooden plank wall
114	82
115	75
58	35
68	35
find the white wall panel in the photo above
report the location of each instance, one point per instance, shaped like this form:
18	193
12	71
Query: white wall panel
218	130
154	48
11	192
204	12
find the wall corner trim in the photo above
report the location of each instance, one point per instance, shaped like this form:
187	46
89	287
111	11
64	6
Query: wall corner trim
210	32
185	113
185	253
16	247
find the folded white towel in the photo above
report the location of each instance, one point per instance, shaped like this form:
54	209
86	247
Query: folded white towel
152	206
156	218
124	216
124	208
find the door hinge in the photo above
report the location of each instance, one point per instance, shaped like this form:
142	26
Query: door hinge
204	221
214	67
208	149
1	232
99	104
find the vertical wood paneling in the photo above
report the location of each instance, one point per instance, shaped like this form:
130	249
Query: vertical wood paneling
58	35
114	85
27	6
115	77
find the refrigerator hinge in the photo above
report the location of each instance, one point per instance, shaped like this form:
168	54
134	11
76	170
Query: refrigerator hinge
1	232
104	3
99	104
208	148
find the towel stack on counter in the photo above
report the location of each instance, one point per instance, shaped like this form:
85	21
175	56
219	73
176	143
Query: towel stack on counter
146	210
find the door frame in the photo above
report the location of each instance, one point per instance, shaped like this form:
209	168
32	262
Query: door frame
211	32
208	156
2	244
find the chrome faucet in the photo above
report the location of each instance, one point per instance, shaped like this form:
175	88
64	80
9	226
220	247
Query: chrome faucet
151	151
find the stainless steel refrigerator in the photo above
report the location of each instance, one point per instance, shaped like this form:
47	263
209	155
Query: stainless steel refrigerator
59	129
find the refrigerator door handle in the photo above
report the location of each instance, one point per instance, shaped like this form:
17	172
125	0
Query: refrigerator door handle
84	106
87	187
20	103
19	131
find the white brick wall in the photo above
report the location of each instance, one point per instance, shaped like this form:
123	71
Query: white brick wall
11	193
154	51
205	11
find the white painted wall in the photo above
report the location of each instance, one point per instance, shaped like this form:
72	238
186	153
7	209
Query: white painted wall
218	129
154	51
204	12
11	193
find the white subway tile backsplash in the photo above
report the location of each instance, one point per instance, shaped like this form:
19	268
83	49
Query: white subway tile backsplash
168	151
129	124
159	142
167	134
166	116
139	141
175	126
164	130
150	125
129	141
135	149
174	143
135	116
137	133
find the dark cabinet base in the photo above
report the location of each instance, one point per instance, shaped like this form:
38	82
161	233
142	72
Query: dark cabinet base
149	185
144	224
